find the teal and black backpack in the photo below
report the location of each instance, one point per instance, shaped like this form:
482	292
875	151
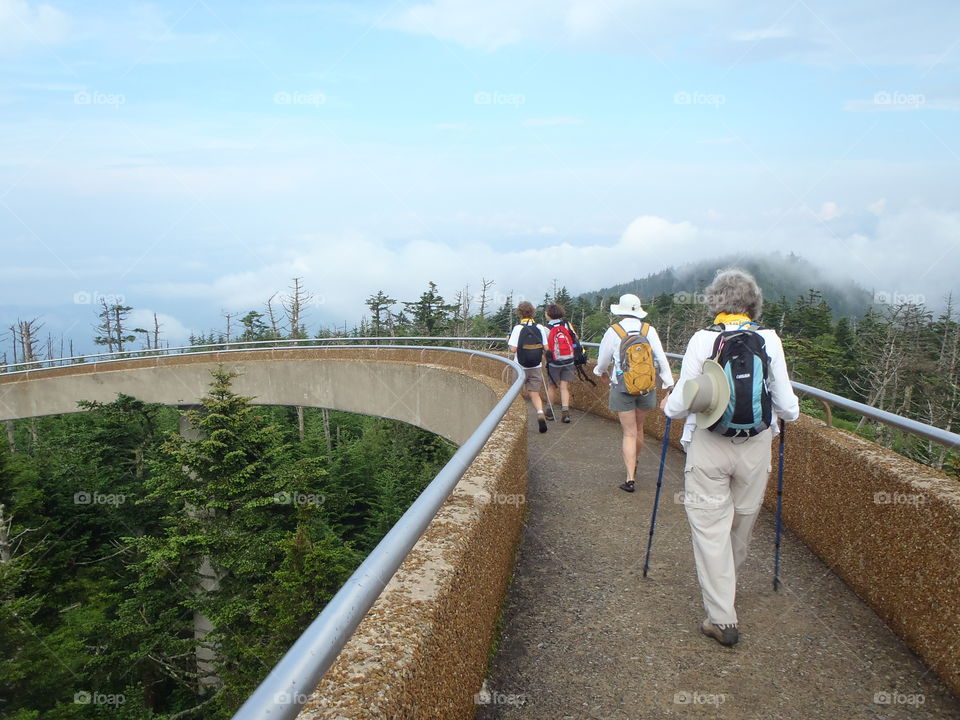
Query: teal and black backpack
742	353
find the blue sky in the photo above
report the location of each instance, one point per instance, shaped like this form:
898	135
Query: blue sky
192	157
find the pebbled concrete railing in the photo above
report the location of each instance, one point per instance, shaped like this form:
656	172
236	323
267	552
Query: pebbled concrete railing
426	636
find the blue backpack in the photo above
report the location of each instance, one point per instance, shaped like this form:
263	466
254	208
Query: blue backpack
742	353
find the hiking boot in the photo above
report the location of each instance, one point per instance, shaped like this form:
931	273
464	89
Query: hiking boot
541	423
726	635
565	416
628	486
548	413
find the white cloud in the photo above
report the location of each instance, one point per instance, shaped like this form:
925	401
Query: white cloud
829	211
878	207
171	329
343	271
24	25
816	31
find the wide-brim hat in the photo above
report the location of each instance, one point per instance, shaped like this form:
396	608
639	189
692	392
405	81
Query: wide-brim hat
708	394
629	305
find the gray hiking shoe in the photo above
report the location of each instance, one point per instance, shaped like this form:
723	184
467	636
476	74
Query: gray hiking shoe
726	635
548	412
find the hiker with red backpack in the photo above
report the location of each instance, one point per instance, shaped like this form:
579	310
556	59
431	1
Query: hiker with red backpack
562	346
734	387
527	341
633	348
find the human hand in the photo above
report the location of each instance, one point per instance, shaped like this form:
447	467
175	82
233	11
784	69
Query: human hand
666	397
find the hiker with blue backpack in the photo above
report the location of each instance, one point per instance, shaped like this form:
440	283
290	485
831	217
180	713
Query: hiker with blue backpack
527	341
633	349
734	386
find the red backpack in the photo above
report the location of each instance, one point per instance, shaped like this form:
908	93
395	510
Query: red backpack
561	344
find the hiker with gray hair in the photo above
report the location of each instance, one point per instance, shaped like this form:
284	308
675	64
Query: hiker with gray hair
734	386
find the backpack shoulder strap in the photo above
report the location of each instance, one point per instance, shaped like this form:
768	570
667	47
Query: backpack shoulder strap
620	330
644	329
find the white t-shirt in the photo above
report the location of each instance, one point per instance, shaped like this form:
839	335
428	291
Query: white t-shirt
700	348
610	351
515	338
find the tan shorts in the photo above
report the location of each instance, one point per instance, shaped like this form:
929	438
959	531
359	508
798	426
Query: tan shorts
533	383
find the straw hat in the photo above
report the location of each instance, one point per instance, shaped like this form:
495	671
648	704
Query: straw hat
629	305
707	395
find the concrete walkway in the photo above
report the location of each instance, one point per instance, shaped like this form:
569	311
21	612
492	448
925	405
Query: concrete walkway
586	636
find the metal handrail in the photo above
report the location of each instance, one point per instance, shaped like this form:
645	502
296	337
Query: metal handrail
288	686
915	427
33	365
929	432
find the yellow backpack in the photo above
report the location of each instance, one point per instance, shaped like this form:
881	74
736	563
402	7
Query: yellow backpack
638	373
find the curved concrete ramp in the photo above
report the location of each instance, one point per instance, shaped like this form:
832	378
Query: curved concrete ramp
586	636
416	386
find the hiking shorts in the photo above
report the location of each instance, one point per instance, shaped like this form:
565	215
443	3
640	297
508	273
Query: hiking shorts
533	382
621	402
557	374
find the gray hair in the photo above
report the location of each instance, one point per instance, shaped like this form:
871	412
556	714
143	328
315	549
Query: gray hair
734	290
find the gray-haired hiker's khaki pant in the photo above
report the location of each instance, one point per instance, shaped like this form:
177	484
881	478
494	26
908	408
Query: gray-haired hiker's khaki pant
724	482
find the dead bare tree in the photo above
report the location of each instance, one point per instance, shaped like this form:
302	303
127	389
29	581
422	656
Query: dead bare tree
295	304
273	318
485	286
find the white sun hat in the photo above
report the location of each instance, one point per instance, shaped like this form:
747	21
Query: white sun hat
629	305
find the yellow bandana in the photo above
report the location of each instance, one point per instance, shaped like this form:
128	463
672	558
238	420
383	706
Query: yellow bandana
731	319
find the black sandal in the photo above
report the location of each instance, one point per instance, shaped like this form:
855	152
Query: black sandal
628	486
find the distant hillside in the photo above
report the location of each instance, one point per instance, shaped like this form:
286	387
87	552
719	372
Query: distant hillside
779	275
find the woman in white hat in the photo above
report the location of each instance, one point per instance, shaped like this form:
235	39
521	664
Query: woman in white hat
728	458
631	409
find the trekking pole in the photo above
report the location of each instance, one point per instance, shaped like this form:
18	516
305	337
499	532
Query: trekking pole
656	499
779	530
546	390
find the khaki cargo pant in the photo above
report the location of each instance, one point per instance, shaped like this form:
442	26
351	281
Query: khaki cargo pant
724	482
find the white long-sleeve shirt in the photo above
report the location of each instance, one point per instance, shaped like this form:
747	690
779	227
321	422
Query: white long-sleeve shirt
700	348
610	352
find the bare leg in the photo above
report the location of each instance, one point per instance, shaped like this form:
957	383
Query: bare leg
537	401
564	393
628	423
641	415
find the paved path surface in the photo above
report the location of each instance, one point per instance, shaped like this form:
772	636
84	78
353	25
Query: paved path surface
586	636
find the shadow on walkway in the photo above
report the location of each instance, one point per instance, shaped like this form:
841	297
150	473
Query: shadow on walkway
586	636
